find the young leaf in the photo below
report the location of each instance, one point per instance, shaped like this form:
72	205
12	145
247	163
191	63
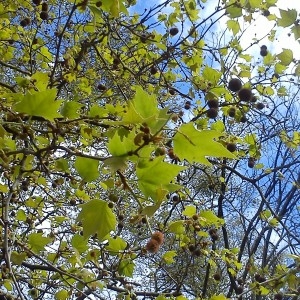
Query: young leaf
96	217
156	174
87	168
194	145
41	104
38	242
288	17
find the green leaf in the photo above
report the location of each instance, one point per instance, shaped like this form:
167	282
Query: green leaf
98	218
288	17
194	145
38	242
70	109
218	297
18	258
286	57
142	109
189	211
168	257
116	244
255	3
41	104
61	295
207	218
126	267
296	31
234	26
154	176
177	227
79	243
87	168
211	75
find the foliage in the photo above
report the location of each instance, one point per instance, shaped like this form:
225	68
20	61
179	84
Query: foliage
120	120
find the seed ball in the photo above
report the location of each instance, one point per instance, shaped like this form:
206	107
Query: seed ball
278	296
266	13
212	113
187	105
213	103
44	15
251	162
197	252
217	277
101	87
192	248
172	92
99	3
175	199
243	119
231	112
153	70
235	84
245	94
260	106
143	38
44	6
174	31
25	22
239	290
231	147
263	50
36	2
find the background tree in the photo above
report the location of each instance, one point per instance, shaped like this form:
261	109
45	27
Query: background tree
148	152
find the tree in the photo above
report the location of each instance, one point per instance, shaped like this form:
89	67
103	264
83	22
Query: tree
148	152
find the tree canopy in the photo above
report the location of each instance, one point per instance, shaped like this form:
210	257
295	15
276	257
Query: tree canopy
149	150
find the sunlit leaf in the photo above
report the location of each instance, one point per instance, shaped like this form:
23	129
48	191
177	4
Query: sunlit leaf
96	217
195	146
41	104
38	242
87	168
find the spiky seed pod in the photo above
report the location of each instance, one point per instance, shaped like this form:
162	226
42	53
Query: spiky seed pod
260	106
152	246
174	31
231	112
235	84
212	113
153	70
158	236
245	94
263	50
213	103
231	147
44	15
45	6
187	105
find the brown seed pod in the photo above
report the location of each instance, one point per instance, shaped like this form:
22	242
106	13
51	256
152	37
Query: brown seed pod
44	15
213	103
45	6
260	106
231	147
153	70
212	113
152	246
187	105
217	277
235	84
36	2
158	236
231	112
174	31
263	50
245	94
